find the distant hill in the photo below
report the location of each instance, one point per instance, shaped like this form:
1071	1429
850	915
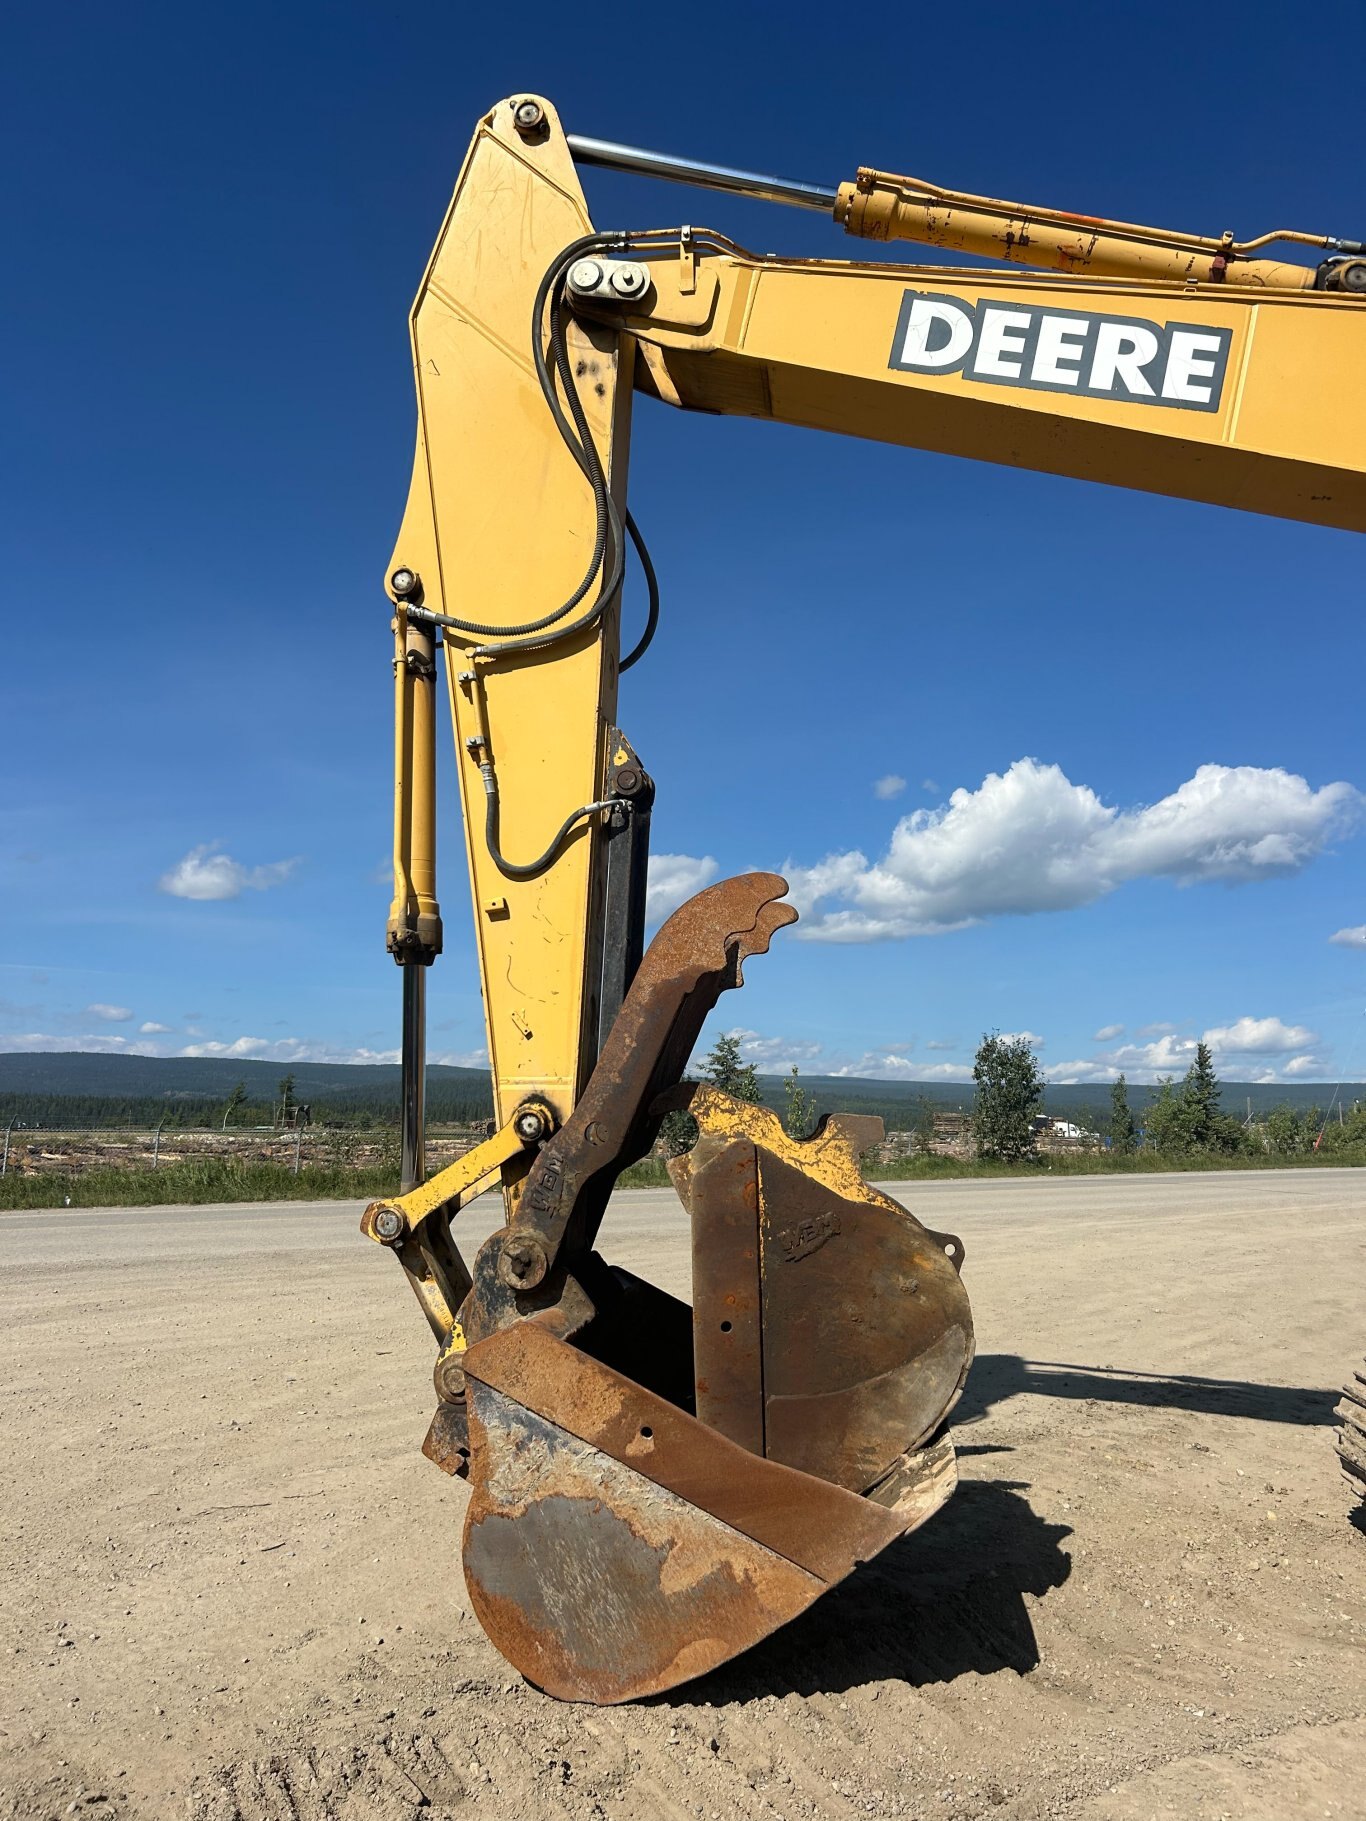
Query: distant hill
197	1077
80	1087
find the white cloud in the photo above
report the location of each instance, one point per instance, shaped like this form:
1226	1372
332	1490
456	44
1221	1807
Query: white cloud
1351	938
454	1059
1030	840
673	879
111	1014
887	1065
934	1044
1032	1038
1258	1037
206	874
929	785
887	788
153	1029
775	1055
1086	1070
286	1049
1248	1049
1108	1032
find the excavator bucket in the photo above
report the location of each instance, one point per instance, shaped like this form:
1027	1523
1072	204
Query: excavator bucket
655	1488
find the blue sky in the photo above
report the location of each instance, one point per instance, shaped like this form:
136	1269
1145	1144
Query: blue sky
216	220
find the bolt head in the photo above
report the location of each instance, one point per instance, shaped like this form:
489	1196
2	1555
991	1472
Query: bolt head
585	275
528	116
522	1263
627	280
530	1125
389	1224
405	583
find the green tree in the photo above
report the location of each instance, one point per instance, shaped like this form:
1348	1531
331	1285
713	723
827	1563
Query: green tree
1200	1093
285	1089
1123	1132
1165	1126
1284	1133
799	1108
725	1070
236	1101
1009	1091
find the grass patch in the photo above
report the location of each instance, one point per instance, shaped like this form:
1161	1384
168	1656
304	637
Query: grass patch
933	1168
198	1180
226	1179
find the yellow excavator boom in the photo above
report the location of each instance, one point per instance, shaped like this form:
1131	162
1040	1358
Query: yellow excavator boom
711	1469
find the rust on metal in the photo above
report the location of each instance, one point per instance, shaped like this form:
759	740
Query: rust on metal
697	954
863	1338
654	1489
615	1546
728	1348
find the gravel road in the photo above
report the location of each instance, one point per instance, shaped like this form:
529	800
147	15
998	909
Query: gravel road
234	1591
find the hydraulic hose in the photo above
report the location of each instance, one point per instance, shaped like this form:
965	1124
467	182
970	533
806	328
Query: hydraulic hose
534	868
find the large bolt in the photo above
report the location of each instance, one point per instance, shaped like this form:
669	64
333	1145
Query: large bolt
531	1125
528	117
627	280
449	1377
628	781
585	275
405	583
389	1225
522	1263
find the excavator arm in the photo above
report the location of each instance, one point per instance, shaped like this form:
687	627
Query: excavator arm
656	1486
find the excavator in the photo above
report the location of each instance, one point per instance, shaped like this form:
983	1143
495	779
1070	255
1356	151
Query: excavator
654	1486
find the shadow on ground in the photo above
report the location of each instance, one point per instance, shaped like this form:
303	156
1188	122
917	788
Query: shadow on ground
944	1602
998	1376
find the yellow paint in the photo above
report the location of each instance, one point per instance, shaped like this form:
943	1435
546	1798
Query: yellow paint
462	1180
499	517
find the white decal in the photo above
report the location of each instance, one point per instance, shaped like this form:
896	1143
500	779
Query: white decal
926	319
1125	358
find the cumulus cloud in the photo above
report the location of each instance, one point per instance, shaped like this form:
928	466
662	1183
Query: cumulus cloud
207	874
672	880
887	1065
775	1054
1350	938
890	786
1032	1038
1250	1049
1258	1037
286	1049
111	1014
1086	1069
1030	840
1108	1032
153	1029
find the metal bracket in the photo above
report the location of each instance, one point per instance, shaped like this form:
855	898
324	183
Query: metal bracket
416	1226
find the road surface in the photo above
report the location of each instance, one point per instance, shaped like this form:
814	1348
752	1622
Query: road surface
234	1589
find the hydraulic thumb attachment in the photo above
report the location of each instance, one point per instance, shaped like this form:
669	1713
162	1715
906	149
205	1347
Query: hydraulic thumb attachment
655	1488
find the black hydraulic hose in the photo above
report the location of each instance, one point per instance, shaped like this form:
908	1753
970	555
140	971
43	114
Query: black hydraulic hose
507	867
603	508
646	638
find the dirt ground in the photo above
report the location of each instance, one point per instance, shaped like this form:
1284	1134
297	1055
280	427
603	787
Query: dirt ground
233	1589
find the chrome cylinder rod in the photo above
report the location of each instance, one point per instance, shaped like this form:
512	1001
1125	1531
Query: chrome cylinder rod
705	176
413	1114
